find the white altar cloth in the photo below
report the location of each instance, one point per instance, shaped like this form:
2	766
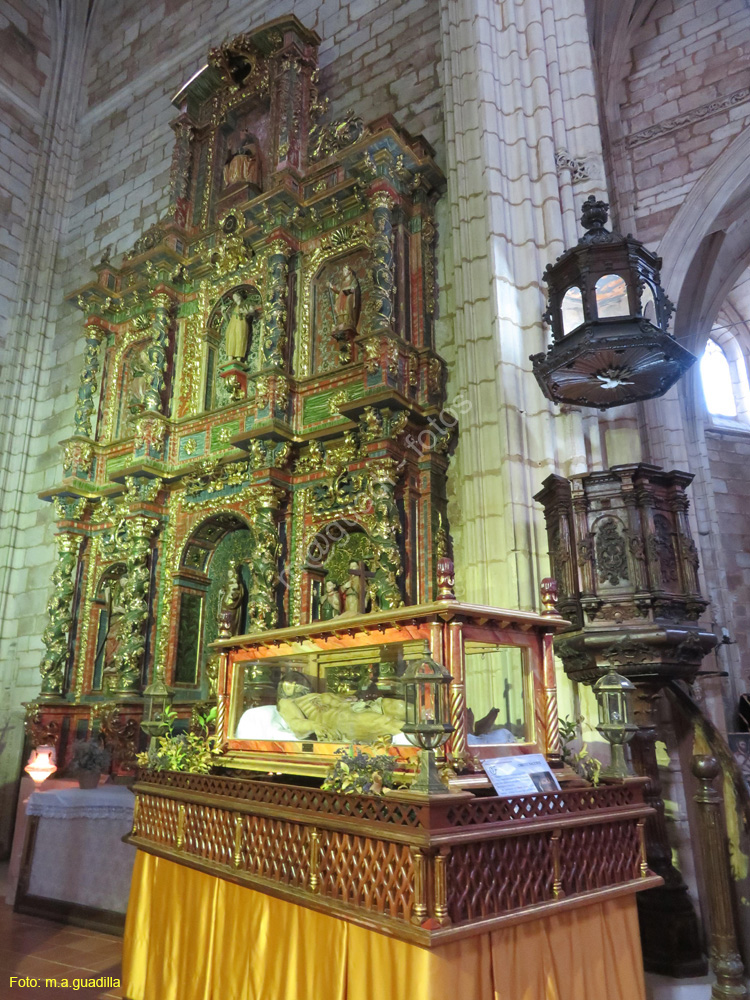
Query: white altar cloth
78	855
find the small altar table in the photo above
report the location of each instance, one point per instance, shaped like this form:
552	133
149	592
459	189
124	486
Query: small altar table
75	866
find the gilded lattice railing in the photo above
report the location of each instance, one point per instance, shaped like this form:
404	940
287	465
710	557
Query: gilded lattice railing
422	869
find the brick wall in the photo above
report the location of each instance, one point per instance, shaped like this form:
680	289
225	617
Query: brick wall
686	98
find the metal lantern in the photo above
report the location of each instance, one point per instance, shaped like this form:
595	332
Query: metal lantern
41	764
157	698
613	694
427	699
609	317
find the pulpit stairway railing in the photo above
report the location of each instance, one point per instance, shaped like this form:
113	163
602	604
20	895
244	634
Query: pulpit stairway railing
722	878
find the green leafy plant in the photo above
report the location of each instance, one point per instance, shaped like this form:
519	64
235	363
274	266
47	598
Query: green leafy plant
584	765
89	755
194	751
362	770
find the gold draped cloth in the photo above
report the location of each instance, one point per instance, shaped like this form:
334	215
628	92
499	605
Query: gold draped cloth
191	936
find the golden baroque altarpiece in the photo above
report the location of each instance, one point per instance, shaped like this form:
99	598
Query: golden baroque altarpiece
259	384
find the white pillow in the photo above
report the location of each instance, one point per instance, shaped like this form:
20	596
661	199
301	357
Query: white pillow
263	723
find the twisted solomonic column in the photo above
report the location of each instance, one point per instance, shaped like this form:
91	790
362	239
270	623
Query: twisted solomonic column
60	614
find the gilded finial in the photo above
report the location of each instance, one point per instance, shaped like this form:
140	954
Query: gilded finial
548	588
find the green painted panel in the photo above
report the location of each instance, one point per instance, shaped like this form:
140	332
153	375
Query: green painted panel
117	463
317	408
220	435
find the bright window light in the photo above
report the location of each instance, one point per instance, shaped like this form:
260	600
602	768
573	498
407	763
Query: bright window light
717	381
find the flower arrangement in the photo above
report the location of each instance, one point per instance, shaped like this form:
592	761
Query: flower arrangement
89	755
362	770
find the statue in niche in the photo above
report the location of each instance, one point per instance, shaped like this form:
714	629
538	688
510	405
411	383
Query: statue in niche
356	589
113	598
346	300
231	598
237	337
330	604
243	165
141	370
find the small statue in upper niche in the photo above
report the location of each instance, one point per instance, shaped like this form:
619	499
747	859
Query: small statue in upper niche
345	302
238	328
231	598
355	589
330	604
244	164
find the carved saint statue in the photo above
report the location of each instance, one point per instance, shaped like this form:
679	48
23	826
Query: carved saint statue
231	598
244	164
330	604
141	370
352	589
346	302
238	328
113	596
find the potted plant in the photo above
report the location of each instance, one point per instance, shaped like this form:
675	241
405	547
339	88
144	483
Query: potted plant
192	751
89	759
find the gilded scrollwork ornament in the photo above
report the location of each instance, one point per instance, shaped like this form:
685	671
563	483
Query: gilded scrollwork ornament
78	456
156	353
85	404
59	612
131	635
382	256
150	433
336	135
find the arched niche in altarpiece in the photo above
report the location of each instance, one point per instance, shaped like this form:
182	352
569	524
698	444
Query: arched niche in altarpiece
218	546
242	303
341	304
107	609
123	401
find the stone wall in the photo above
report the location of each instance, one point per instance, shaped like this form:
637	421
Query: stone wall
729	456
25	71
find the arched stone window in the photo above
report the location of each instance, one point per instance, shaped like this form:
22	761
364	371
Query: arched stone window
724	378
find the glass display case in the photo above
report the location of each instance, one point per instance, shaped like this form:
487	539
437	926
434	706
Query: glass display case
289	698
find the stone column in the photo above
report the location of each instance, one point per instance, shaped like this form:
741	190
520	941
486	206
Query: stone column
518	88
60	613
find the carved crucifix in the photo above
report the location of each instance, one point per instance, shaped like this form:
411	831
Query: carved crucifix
355	589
